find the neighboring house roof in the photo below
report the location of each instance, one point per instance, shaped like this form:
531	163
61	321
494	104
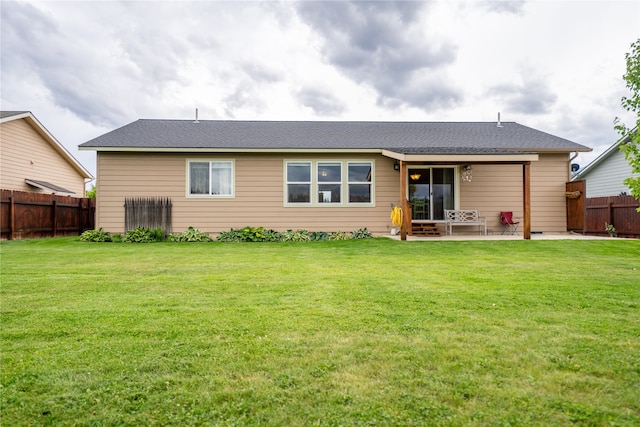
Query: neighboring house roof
411	138
581	174
49	186
615	148
4	114
7	116
606	174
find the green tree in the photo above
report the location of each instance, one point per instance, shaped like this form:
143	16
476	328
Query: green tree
630	144
91	193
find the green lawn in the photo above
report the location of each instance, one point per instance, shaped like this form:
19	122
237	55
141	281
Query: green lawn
367	332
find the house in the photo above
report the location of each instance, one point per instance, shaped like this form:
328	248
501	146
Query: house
329	176
34	161
605	175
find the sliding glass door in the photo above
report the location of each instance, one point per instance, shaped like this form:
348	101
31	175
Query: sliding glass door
431	192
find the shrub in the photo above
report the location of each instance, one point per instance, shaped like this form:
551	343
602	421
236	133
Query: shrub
252	234
339	235
98	235
319	235
295	236
256	234
249	234
260	234
362	233
144	235
610	229
190	235
272	236
229	236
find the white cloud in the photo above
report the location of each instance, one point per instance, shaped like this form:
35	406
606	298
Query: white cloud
84	68
383	44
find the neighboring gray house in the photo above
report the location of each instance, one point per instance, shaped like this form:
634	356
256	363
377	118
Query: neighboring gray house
606	174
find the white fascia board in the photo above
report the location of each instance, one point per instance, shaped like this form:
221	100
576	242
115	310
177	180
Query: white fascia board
15	117
232	150
461	158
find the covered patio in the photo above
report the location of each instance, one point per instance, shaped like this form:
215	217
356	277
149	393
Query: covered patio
458	161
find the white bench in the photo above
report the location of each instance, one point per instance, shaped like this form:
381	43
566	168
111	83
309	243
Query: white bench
464	217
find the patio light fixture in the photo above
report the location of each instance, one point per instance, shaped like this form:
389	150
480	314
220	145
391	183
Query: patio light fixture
396	166
466	173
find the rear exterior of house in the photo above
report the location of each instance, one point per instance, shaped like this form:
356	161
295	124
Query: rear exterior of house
34	161
329	176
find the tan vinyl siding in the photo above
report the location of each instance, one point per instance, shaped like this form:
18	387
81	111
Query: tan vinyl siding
260	190
548	202
496	188
259	193
493	188
27	155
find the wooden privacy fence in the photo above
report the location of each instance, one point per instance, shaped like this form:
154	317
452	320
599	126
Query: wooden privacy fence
147	212
619	211
30	215
574	193
588	215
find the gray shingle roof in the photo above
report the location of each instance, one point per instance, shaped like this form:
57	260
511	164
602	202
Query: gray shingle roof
5	114
48	186
402	137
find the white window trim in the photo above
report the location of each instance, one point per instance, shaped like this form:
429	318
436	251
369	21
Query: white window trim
287	182
344	185
210	196
340	183
370	183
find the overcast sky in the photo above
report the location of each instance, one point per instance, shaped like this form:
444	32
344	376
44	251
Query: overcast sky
85	68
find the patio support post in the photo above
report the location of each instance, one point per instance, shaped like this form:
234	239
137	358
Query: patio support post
526	199
406	220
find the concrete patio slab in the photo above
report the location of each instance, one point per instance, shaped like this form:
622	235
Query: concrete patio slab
534	236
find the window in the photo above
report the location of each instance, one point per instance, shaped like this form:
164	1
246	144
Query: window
211	178
329	182
323	183
299	182
360	182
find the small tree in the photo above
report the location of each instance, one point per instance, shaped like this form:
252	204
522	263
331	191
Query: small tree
91	193
630	144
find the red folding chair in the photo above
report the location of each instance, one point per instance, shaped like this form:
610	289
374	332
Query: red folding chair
508	224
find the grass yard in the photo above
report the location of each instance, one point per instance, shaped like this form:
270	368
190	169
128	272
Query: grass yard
365	332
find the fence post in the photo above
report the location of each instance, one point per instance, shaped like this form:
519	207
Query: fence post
12	216
92	214
611	213
54	213
80	215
